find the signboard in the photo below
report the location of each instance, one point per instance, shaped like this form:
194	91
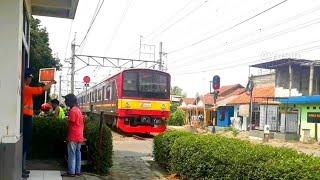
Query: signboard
46	74
86	79
313	117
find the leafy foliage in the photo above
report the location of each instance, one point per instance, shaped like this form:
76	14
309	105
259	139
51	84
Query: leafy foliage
100	150
48	136
40	55
162	146
177	118
175	90
216	157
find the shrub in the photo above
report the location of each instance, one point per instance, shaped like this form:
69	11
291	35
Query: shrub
177	118
162	146
48	136
100	150
217	157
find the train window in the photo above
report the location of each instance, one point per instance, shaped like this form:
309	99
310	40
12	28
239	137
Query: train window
95	95
99	95
102	93
113	91
108	93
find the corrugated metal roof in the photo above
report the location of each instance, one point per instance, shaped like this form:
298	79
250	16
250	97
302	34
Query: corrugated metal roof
258	92
283	62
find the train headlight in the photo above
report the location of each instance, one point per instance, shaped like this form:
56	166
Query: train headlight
126	120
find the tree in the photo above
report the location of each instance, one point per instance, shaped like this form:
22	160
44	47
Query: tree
40	55
175	90
177	118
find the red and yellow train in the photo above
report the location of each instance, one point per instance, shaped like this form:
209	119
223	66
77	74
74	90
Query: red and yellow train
134	100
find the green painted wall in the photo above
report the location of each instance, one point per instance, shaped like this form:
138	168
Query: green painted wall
304	111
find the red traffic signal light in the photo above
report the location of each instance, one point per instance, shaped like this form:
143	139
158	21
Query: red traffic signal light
216	82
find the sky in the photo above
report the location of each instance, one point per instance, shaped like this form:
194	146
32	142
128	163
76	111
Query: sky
201	38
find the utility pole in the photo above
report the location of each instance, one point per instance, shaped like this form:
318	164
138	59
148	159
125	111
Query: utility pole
160	56
60	87
73	49
140	47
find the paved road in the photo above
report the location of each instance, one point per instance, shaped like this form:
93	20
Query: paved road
131	157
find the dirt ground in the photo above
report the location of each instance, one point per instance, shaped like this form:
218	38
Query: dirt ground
311	149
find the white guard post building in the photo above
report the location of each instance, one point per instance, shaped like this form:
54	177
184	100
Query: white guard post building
15	18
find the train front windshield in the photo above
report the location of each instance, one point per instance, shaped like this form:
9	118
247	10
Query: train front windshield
146	84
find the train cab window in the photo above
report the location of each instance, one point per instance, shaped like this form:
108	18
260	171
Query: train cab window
130	84
108	93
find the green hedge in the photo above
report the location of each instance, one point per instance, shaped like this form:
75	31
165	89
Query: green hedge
216	157
177	118
162	146
48	136
100	155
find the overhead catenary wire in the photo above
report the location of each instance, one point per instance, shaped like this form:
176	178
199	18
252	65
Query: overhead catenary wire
227	29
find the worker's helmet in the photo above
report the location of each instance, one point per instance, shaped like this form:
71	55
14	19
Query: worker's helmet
45	107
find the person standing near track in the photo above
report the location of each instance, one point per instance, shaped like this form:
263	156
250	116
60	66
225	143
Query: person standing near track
28	94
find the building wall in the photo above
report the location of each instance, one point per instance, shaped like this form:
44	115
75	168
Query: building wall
11	25
300	81
304	124
11	64
264	80
269	115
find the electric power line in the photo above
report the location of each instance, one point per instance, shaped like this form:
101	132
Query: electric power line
180	19
259	40
169	19
243	63
116	30
227	29
285	21
95	14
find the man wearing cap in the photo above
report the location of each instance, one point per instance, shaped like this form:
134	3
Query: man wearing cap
28	94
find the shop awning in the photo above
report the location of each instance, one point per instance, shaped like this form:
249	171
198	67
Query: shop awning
300	100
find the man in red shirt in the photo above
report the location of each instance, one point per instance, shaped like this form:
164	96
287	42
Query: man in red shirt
28	94
75	136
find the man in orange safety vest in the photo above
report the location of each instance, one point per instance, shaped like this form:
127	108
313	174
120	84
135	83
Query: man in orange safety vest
28	94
